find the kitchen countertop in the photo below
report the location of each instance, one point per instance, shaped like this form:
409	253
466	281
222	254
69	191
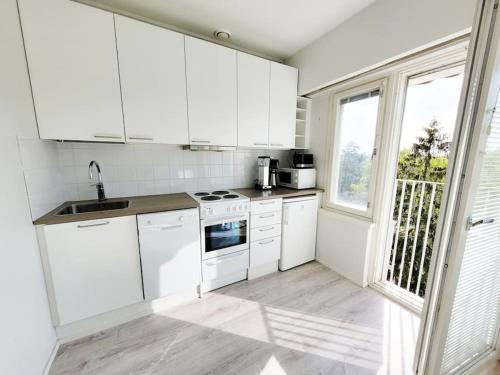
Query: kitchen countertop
280	192
138	205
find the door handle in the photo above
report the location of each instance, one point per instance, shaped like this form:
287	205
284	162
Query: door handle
142	138
472	224
92	225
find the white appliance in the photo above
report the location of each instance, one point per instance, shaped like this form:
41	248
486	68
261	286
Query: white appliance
224	230
298	236
297	178
170	252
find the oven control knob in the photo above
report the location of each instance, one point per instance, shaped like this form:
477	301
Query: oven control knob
234	208
210	211
228	209
240	208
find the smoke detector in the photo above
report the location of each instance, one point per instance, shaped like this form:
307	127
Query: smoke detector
222	34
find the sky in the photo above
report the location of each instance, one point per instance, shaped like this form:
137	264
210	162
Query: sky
437	99
426	102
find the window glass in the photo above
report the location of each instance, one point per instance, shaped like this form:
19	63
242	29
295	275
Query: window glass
357	126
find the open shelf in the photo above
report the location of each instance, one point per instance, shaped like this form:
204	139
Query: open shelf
302	120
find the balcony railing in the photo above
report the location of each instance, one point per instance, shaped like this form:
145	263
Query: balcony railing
416	208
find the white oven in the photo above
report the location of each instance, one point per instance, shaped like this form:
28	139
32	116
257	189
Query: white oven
222	236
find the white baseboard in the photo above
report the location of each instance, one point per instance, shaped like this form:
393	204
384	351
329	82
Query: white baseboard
90	326
51	358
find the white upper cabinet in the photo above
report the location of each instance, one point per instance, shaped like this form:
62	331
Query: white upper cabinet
73	66
153	80
212	93
283	101
253	101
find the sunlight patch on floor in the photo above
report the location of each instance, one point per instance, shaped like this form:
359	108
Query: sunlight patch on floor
384	348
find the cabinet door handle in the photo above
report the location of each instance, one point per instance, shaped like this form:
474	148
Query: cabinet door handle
142	138
285	216
199	141
259	144
265	242
265	216
107	136
265	203
277	144
92	225
266	229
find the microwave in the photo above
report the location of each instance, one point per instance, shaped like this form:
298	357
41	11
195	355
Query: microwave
297	178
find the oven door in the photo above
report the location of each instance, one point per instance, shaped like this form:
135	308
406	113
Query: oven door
224	236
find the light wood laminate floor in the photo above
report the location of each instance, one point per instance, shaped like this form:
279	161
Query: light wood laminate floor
308	320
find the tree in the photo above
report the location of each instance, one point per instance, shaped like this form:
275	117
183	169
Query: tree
433	144
354	174
427	160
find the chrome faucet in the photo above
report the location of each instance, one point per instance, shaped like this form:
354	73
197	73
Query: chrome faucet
101	196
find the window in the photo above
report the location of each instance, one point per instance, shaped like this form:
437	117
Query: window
357	121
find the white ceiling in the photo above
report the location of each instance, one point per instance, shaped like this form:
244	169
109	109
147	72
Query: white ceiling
274	28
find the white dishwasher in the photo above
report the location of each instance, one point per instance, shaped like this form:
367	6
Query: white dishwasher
170	252
298	236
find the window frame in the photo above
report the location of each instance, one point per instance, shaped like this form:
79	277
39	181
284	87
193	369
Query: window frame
334	152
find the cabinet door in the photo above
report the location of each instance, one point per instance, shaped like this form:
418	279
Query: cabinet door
283	101
153	80
253	101
71	53
211	89
94	266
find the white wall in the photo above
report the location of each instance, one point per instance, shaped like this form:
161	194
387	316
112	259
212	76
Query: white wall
380	33
26	333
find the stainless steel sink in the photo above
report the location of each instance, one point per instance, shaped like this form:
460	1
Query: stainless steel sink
80	208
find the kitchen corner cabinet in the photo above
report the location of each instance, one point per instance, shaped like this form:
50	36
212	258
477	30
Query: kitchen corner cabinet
253	101
91	267
71	53
153	82
212	93
283	100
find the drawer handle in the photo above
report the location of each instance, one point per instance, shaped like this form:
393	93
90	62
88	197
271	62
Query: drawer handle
265	203
259	144
92	225
277	144
159	228
199	141
266	242
142	138
266	229
105	136
265	216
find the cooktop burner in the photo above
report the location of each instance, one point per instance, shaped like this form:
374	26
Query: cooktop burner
210	198
220	192
230	196
202	194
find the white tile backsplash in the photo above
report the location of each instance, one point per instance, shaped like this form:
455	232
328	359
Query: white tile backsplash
58	172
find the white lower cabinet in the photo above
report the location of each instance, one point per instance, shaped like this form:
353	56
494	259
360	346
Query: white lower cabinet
91	267
265	233
265	251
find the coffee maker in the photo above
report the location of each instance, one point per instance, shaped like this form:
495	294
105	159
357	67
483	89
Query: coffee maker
263	163
273	173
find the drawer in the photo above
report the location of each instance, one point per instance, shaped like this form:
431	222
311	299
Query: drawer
265	251
225	265
265	219
267	205
258	234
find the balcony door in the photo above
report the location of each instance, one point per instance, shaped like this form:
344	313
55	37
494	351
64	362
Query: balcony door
429	111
